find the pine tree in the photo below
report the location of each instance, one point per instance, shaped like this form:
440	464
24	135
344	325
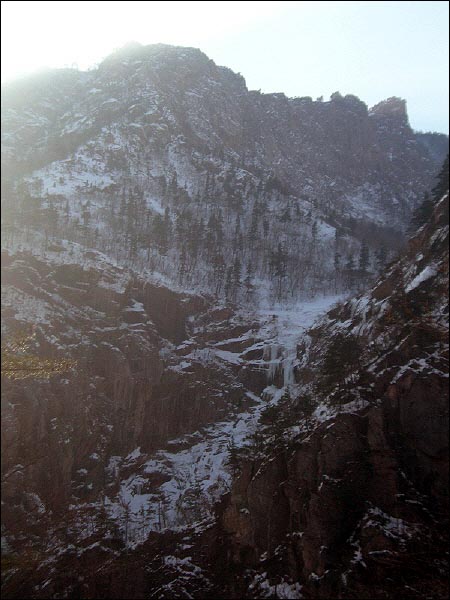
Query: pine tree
364	257
229	283
381	258
219	228
159	234
182	266
219	271
337	238
306	406
51	219
442	185
253	232
279	267
286	398
350	271
248	283
236	277
286	216
314	230
173	187
337	261
350	263
422	213
210	236
167	221
67	212
237	227
233	456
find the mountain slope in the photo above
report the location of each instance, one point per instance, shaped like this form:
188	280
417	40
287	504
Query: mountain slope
159	157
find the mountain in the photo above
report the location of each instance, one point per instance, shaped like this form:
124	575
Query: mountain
176	423
158	157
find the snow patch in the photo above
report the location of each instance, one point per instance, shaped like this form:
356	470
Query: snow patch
427	273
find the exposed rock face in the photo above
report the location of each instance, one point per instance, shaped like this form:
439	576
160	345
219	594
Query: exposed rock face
312	507
126	390
155	371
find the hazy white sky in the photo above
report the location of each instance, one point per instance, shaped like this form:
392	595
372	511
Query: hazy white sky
371	49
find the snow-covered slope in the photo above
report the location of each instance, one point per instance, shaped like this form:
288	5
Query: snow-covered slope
167	163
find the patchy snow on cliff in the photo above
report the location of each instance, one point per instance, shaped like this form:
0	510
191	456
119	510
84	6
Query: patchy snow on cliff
427	273
261	585
195	478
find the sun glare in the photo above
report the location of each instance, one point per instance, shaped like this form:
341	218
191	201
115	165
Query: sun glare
37	35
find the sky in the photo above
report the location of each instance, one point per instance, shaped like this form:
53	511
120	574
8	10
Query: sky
372	49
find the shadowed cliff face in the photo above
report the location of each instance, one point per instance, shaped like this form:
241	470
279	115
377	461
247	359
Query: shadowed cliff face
127	389
156	371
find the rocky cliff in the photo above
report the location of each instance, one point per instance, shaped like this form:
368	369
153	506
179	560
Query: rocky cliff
352	506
